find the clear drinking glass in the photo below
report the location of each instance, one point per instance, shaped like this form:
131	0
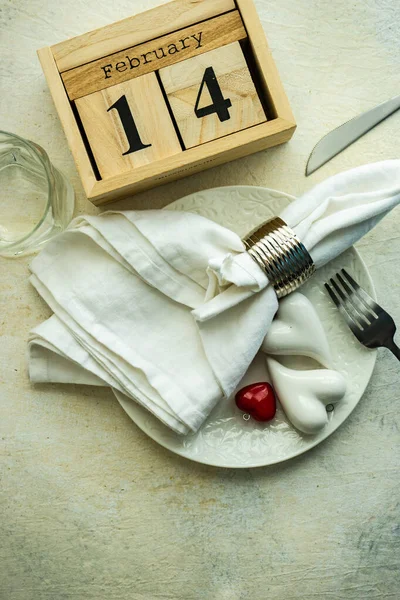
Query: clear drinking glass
36	200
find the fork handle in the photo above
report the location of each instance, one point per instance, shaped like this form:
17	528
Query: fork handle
394	349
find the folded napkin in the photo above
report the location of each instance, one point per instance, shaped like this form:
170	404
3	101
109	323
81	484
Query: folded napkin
167	308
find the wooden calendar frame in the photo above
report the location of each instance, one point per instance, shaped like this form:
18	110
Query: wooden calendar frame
133	31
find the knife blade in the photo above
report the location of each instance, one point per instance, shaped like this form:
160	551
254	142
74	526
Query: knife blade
343	136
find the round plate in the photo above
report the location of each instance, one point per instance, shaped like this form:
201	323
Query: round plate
226	439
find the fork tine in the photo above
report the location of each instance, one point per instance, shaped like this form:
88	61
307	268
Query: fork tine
354	326
347	305
362	294
332	295
364	311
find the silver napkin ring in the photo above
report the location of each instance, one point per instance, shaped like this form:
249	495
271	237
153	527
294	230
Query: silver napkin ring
281	255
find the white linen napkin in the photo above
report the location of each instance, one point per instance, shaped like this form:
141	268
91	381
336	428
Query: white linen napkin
167	308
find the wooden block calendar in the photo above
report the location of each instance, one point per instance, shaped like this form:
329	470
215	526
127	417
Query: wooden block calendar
186	86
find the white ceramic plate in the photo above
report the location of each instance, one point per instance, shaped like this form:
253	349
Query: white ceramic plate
225	439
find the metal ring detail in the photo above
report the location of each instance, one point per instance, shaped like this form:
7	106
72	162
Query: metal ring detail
281	255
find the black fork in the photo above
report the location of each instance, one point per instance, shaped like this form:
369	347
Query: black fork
369	322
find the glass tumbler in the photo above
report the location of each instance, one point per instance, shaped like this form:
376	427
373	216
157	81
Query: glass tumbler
36	200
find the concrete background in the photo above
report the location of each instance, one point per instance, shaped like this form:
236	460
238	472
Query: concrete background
90	508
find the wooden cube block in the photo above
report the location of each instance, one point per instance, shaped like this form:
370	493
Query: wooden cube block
128	125
212	95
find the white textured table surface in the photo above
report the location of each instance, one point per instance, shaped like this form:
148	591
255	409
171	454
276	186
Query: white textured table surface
92	509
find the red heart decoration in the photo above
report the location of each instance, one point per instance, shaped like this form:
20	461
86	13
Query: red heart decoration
258	400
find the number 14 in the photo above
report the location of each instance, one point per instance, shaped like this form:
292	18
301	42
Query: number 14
219	106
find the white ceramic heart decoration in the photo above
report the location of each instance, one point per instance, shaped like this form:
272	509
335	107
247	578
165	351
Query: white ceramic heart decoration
297	330
304	395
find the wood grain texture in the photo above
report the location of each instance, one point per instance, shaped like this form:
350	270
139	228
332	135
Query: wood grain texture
156	54
107	137
195	160
182	84
136	30
213	153
67	118
268	73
